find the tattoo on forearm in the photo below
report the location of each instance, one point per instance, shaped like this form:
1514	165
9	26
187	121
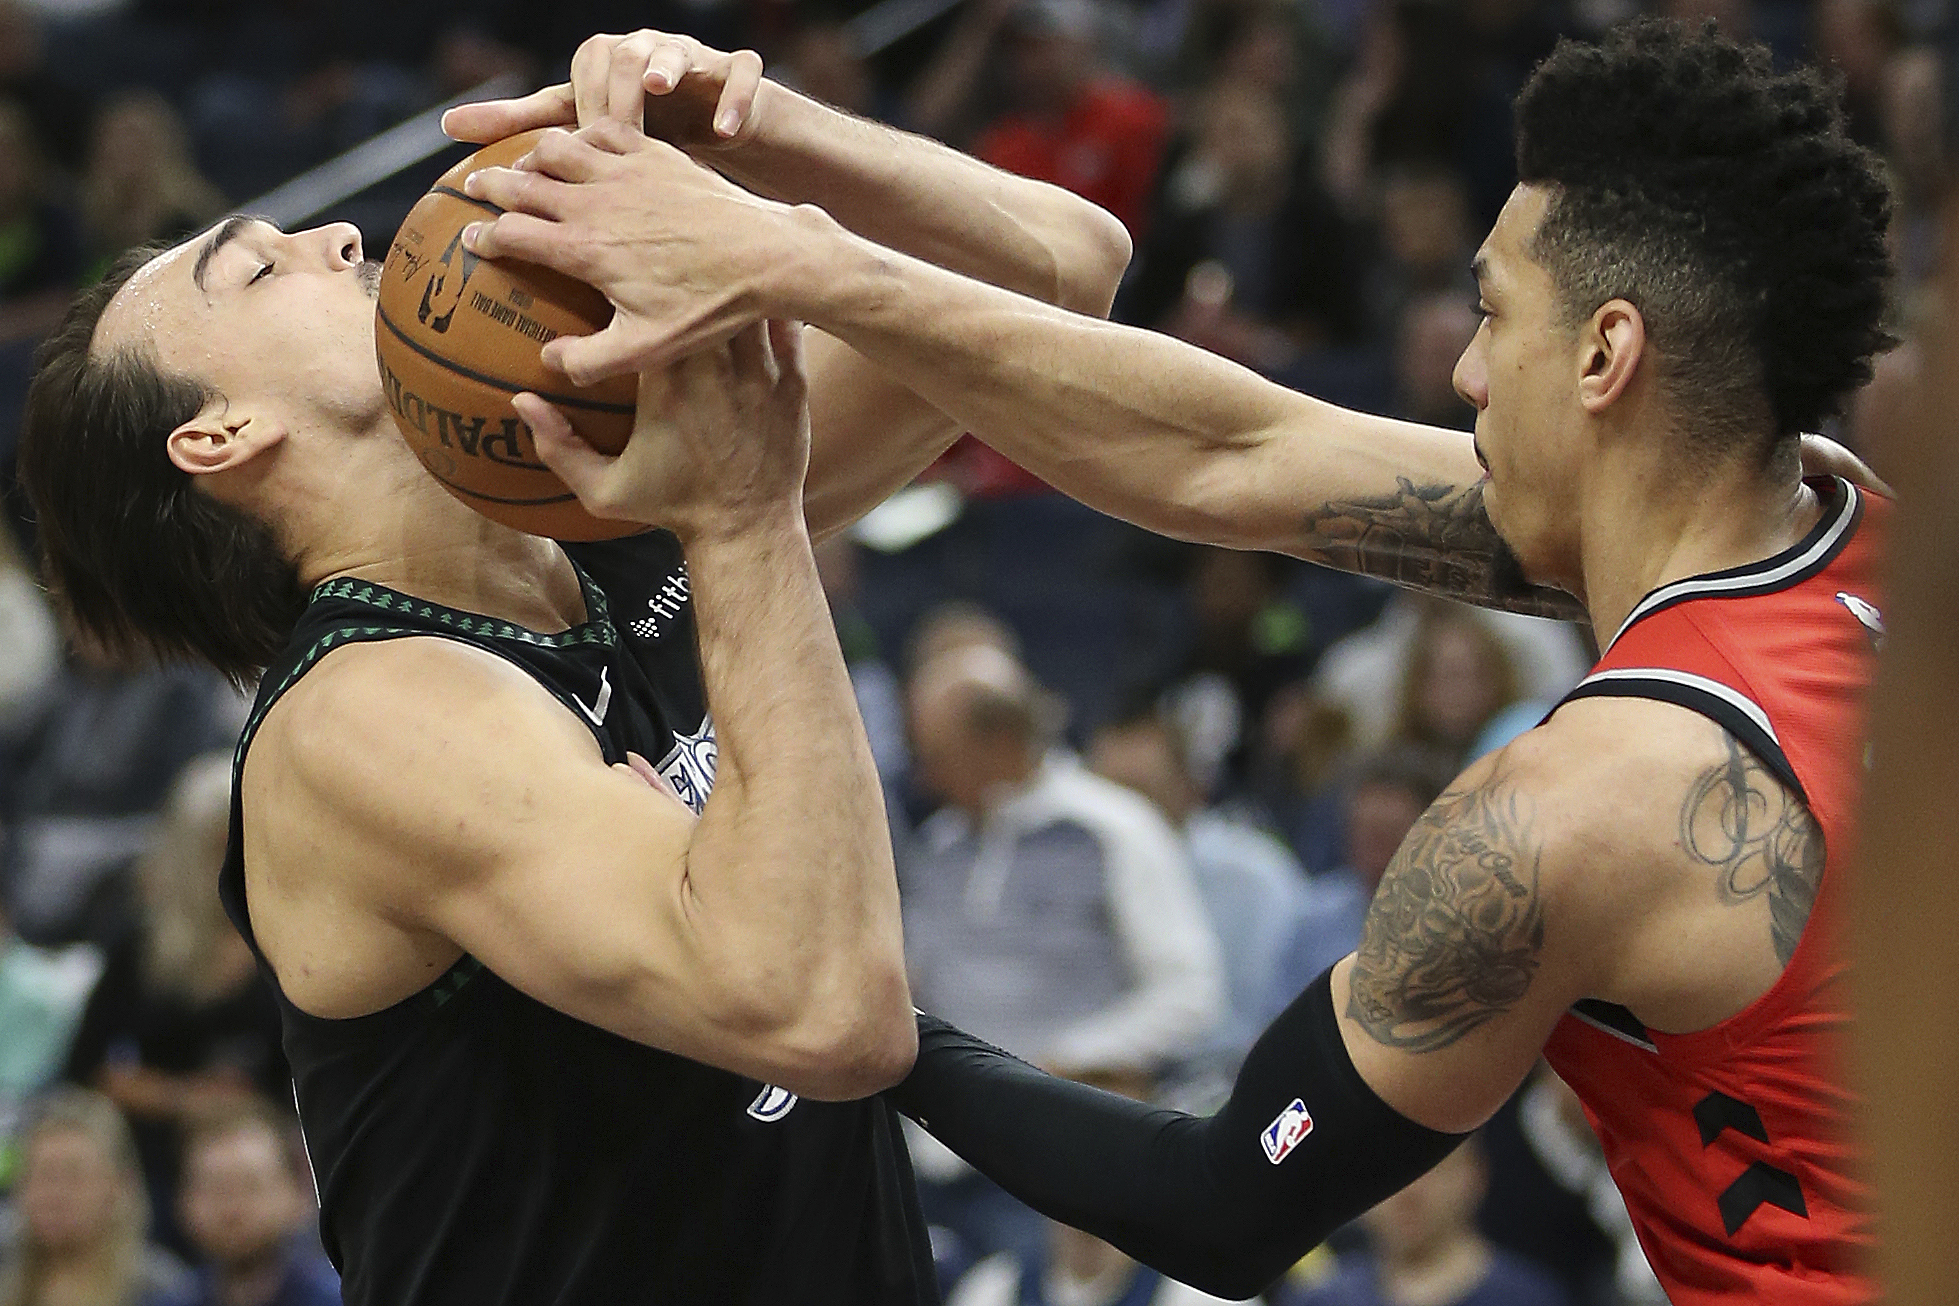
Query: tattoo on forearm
1436	538
1453	935
1759	838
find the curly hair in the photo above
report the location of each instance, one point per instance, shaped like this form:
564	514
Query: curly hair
1724	199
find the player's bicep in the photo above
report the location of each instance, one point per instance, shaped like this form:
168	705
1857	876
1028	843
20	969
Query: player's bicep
1461	973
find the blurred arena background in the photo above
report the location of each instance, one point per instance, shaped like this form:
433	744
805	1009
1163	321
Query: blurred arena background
1118	728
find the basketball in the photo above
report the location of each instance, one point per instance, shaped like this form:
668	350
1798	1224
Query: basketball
456	336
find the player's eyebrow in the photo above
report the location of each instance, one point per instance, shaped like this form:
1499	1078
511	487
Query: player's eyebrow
227	232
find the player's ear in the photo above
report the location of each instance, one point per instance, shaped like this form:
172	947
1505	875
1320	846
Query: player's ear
1612	344
219	438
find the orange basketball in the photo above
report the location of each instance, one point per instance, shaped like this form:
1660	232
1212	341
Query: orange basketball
457	336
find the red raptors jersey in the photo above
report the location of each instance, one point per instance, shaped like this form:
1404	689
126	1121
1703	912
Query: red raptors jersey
1731	1145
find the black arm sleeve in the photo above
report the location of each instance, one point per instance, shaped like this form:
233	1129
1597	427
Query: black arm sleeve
1225	1203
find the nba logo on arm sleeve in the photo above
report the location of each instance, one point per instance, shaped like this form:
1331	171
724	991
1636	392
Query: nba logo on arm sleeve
1286	1132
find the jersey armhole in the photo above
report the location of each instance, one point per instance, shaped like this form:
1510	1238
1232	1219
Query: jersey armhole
1729	708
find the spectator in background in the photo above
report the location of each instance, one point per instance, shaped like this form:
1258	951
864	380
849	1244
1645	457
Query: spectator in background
1072	1268
1360	674
83	780
957	624
246	1203
83	1213
467	54
1858	39
1280	48
1254	889
140	183
58	109
1067	119
1052	911
1386	795
1457	677
41	995
1426	1249
1248	640
28	634
1246	254
1434	328
880	698
1426	246
181	1022
820	58
1304	741
1072	122
1914	148
40	243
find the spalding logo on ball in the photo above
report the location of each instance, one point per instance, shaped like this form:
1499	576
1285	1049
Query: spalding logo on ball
457	335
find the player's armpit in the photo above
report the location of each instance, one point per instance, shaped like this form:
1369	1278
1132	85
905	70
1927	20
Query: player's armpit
437	791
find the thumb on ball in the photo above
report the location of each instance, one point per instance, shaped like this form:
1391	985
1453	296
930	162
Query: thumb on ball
563	450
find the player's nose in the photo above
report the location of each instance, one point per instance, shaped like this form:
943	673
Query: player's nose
1471	377
337	245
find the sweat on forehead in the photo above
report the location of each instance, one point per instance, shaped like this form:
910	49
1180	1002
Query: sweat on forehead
134	315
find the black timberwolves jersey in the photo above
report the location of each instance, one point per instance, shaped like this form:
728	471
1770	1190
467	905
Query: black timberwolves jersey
473	1146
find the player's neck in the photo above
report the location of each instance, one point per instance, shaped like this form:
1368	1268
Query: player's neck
381	518
1646	522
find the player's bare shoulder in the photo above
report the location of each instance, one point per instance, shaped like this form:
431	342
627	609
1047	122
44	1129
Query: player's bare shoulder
1701	868
377	774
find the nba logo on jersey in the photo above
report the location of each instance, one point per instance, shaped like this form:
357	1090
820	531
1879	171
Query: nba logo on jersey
771	1104
1287	1132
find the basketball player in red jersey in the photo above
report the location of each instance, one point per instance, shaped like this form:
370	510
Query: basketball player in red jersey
1645	888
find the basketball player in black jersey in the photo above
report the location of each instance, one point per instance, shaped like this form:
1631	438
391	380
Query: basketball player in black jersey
570	1021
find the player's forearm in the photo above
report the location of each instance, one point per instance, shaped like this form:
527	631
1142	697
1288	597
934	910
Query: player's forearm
922	198
1127	421
1160	433
1226	1202
790	877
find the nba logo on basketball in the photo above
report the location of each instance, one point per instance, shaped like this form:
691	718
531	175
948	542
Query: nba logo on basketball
1287	1132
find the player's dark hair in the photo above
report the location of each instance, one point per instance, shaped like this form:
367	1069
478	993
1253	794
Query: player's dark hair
1722	198
142	563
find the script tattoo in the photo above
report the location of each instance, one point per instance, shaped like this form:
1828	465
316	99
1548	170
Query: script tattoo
1740	820
1435	538
1453	935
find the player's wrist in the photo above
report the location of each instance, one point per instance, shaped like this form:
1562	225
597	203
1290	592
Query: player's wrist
800	270
747	526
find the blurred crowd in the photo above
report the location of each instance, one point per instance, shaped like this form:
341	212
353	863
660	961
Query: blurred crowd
1141	792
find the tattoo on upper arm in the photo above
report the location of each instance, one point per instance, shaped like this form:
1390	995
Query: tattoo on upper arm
1435	538
1741	820
1453	935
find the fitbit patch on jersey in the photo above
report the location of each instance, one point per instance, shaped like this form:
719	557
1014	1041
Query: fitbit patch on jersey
772	1103
1287	1132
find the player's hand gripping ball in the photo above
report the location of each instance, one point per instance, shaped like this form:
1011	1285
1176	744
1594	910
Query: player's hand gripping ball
457	336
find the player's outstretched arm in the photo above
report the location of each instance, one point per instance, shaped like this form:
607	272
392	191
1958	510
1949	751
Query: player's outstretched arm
1135	423
1370	1077
869	434
476	809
